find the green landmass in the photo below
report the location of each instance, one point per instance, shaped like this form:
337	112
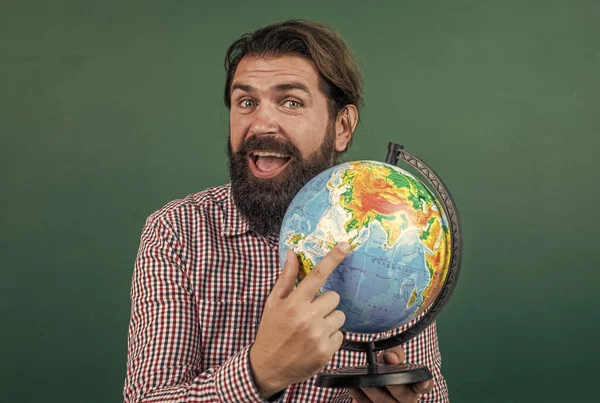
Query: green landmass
297	238
416	202
422	192
398	179
347	176
353	224
368	220
425	234
347	196
431	271
418	192
382	217
306	265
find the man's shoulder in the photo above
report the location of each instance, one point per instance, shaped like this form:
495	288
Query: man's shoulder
195	204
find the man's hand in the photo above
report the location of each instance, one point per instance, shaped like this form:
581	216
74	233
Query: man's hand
298	333
393	393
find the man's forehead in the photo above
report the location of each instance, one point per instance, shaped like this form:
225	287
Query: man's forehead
271	71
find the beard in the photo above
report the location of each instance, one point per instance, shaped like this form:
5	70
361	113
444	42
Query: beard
263	202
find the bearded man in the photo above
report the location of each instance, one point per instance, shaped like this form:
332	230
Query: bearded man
214	318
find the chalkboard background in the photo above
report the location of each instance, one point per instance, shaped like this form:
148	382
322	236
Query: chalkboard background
110	109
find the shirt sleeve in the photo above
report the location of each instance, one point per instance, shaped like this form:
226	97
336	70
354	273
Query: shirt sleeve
164	355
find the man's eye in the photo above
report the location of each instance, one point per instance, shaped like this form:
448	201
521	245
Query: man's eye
292	104
247	103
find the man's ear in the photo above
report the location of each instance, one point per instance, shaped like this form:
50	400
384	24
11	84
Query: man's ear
345	123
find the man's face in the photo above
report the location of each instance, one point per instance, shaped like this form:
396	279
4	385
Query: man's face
281	136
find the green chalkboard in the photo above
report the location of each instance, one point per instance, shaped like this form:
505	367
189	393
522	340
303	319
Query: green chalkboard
110	109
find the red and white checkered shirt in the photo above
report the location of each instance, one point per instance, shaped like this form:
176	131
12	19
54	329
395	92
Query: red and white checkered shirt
199	286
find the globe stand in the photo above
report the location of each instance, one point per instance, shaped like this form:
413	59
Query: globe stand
373	374
381	375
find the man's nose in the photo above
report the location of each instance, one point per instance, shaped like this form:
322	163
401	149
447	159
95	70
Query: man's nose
265	120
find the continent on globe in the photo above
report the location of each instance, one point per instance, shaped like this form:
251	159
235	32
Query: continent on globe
398	232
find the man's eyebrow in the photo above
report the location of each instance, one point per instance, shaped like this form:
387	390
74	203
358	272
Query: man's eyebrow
243	87
292	86
278	88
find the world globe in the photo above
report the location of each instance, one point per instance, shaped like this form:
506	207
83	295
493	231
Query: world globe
399	234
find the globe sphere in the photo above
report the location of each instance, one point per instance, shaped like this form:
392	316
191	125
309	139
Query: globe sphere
398	231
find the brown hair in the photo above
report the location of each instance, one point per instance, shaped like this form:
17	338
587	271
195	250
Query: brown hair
340	78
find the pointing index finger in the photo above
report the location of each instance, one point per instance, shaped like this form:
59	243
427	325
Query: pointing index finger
314	280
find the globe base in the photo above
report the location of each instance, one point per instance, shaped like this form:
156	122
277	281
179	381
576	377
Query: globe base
371	376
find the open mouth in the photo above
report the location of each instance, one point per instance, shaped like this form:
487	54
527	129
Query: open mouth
266	164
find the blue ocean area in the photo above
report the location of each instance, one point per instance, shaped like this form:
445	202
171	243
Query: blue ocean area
376	284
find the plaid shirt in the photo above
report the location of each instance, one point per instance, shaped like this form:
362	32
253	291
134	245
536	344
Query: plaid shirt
199	286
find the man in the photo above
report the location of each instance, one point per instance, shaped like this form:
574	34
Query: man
213	317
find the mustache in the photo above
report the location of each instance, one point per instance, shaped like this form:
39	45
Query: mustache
269	144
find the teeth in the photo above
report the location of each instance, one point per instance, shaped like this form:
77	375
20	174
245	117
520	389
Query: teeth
269	154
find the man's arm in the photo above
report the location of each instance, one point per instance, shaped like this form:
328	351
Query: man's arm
164	357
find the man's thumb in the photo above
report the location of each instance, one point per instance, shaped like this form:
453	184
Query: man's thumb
287	279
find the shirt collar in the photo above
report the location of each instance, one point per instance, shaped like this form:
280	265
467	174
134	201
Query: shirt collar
233	221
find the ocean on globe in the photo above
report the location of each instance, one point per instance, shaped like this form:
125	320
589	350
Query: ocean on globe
399	236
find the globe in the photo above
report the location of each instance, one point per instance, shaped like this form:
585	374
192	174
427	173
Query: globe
399	234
